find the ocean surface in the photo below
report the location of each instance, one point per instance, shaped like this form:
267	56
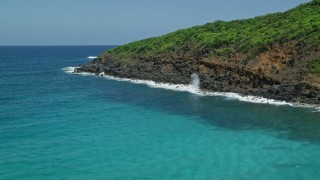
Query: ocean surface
56	125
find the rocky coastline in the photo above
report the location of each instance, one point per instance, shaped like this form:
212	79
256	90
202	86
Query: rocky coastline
275	56
216	77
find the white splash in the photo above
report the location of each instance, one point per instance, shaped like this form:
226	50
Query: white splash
70	70
92	57
193	88
195	81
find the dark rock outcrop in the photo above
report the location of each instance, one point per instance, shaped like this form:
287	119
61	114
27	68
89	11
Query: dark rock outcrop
214	76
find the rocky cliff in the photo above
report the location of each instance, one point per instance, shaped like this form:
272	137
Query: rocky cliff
275	56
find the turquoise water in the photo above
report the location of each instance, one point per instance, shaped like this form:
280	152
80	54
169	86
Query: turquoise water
55	125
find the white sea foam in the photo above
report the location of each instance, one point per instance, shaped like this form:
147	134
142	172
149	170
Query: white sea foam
193	88
70	70
316	108
152	84
92	57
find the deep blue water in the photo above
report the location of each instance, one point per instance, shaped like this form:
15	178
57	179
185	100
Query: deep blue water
55	125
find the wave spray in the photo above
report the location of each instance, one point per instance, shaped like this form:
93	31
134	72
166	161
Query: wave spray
195	81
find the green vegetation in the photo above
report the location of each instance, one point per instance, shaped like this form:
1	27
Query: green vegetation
220	38
315	66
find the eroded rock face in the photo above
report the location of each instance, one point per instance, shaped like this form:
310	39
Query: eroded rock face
218	76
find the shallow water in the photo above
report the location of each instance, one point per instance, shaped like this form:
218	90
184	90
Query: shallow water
55	125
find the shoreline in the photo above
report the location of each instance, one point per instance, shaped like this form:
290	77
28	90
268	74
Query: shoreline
196	91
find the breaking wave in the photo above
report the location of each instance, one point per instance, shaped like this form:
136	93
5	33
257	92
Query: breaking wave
70	70
92	57
193	88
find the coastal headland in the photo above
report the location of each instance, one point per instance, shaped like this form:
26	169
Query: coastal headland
275	56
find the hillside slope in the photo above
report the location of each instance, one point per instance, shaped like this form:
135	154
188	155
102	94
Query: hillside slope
275	56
